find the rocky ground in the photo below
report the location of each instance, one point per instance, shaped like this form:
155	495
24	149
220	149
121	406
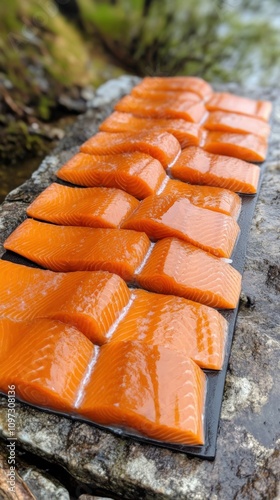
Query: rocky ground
82	459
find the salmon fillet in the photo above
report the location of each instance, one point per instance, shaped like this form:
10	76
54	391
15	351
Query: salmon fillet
162	146
194	330
94	207
177	83
70	248
223	101
186	133
153	390
37	357
164	95
90	301
167	215
212	198
246	147
178	268
149	108
136	173
222	121
196	166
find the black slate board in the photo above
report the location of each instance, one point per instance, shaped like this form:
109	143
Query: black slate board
215	380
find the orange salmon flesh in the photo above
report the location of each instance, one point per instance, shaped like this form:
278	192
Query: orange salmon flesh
121	320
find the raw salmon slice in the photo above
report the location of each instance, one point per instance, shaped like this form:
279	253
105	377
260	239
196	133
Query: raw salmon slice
161	145
236	123
246	147
94	207
70	248
153	390
149	108
136	173
164	95
167	215
223	101
194	330
212	198
199	167
177	83
178	268
39	361
90	301
186	133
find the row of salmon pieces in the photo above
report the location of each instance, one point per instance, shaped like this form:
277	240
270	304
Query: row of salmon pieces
101	306
147	388
112	207
248	147
141	173
221	123
240	136
223	134
215	101
159	98
187	133
169	266
203	217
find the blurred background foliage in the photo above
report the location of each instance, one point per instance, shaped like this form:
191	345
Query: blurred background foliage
53	53
220	39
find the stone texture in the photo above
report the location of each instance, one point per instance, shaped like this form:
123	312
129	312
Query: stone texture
43	486
247	460
90	497
31	482
7	492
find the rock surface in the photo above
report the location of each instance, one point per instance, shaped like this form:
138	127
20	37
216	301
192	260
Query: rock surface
43	486
248	447
30	482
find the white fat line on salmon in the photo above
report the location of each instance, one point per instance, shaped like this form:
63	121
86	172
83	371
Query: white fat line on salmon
228	261
121	317
86	378
204	118
140	267
203	137
175	159
163	185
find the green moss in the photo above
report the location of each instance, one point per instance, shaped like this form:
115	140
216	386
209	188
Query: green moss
17	143
44	107
9	17
35	32
69	54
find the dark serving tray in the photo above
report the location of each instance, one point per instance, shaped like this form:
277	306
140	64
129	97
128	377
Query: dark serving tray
215	379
